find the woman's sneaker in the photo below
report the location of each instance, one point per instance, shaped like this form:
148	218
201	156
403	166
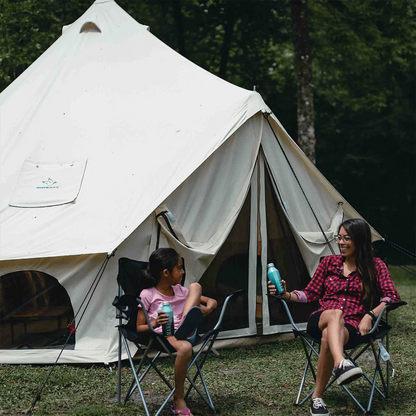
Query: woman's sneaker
318	407
347	372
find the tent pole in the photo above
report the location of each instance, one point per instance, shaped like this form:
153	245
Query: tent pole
120	290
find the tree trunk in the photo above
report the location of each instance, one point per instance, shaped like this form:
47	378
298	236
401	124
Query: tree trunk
303	65
177	14
227	40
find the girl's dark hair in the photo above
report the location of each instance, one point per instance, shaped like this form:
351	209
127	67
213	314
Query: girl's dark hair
360	233
159	260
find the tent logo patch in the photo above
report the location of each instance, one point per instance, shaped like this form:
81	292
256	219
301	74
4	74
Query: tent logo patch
48	184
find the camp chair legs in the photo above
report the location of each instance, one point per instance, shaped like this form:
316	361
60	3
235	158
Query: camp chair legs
138	379
126	305
383	391
308	366
376	341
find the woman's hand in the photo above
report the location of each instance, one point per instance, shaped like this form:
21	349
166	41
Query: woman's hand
273	290
271	287
365	325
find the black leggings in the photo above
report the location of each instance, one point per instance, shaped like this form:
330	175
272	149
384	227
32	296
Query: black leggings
313	330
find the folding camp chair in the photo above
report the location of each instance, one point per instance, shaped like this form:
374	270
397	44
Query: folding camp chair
127	306
378	334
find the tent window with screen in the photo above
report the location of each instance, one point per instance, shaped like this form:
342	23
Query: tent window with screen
35	311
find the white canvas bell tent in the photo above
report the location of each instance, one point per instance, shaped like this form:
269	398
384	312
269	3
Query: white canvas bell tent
105	130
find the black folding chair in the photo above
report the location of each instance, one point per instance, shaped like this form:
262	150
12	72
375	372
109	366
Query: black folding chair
379	334
127	307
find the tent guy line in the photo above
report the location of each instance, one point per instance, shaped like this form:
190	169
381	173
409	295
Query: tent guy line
71	329
266	116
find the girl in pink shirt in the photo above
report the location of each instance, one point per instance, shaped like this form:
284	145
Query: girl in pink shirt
164	274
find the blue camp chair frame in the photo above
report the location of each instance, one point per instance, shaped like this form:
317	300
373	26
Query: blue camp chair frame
378	333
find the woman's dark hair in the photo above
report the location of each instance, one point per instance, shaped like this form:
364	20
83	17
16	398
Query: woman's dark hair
360	233
159	260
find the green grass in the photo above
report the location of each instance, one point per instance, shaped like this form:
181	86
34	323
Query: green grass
261	380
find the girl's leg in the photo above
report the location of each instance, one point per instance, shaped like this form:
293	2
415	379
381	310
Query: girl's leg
184	350
194	298
334	337
188	327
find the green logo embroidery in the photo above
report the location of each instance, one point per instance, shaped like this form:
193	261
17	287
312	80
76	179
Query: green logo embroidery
50	183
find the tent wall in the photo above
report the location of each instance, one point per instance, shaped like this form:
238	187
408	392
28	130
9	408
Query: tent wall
144	117
96	336
205	207
76	274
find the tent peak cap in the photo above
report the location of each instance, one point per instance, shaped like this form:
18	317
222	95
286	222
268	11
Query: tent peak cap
103	1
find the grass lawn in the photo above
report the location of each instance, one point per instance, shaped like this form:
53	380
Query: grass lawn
260	380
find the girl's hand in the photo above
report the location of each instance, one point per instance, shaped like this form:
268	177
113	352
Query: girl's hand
206	310
365	325
161	319
207	305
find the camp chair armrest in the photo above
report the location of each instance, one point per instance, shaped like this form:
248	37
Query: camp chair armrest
391	306
230	297
387	308
289	315
146	316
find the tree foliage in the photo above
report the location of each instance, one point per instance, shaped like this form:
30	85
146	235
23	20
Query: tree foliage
363	72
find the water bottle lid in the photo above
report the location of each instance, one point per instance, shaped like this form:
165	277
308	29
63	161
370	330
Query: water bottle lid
165	303
270	265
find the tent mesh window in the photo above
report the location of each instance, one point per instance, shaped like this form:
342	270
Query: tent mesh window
34	311
283	251
228	272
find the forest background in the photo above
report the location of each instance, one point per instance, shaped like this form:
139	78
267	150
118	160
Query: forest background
363	68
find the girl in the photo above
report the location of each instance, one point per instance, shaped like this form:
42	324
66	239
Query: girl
164	276
352	289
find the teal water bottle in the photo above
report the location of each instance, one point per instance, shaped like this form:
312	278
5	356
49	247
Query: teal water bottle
274	276
168	328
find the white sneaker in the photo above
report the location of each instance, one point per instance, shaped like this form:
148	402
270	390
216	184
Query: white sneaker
347	372
318	407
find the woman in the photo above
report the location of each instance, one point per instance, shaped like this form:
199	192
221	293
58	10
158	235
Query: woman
352	289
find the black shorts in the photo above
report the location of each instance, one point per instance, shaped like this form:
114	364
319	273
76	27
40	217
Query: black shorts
313	330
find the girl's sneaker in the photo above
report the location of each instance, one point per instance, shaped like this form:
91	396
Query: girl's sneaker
347	372
318	407
189	324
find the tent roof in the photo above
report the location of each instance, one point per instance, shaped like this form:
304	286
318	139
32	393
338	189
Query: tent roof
142	116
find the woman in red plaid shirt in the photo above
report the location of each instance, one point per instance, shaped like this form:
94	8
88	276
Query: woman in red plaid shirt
352	289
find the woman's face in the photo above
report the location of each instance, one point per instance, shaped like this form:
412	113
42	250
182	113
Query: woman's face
345	243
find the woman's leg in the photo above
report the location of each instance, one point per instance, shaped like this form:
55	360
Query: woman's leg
184	350
337	334
334	337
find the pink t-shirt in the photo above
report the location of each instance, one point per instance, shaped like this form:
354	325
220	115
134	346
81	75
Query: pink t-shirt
152	300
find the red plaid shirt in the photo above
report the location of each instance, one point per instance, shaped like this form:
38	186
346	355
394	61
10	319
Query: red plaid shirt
335	291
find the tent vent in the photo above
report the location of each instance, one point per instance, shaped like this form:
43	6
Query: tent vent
90	27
